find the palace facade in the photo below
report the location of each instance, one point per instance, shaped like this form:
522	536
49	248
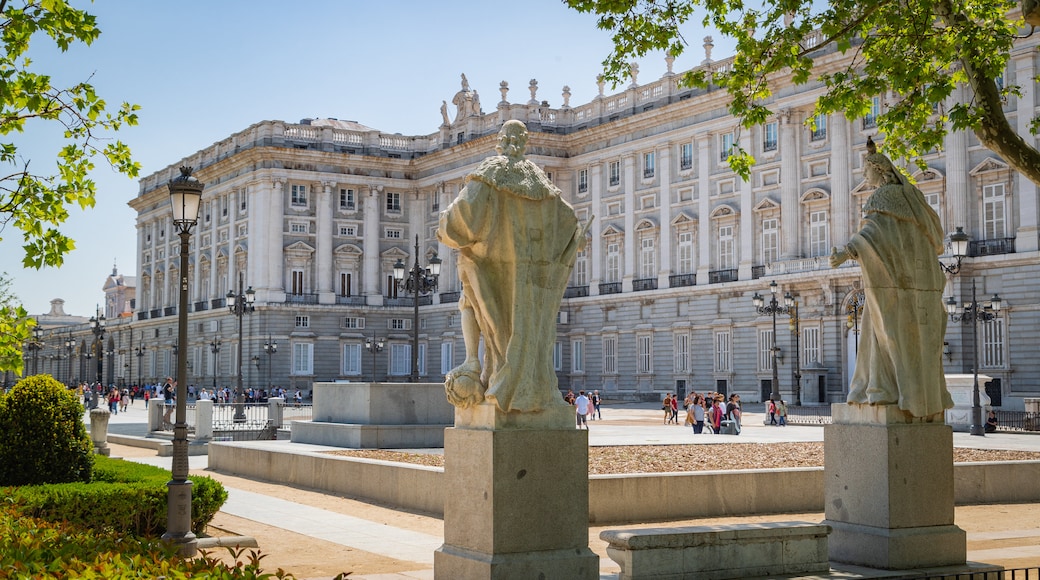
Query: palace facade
313	216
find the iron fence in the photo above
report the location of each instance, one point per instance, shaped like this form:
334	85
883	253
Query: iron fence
1008	574
293	412
1018	421
815	415
228	416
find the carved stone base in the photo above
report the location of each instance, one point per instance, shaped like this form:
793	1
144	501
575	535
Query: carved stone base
516	505
889	490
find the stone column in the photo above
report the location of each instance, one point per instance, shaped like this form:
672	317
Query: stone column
595	247
513	510
790	184
705	227
957	198
370	240
746	230
630	251
275	233
99	430
841	178
1027	239
666	241
323	240
888	489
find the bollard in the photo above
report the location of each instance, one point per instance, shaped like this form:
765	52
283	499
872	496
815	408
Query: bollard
99	430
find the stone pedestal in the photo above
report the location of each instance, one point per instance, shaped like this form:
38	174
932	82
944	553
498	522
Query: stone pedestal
99	431
516	504
962	389
889	490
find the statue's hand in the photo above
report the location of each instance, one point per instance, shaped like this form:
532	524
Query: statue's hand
838	256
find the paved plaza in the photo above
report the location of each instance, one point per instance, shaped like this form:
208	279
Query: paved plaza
1017	544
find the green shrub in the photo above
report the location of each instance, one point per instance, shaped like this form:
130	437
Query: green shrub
124	496
42	435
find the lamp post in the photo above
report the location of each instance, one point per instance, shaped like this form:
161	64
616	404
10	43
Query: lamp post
214	347
374	345
794	325
270	347
421	281
35	345
139	352
774	308
973	313
70	344
240	304
185	195
97	326
854	307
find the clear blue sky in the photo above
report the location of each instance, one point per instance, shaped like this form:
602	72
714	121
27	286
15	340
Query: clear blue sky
202	70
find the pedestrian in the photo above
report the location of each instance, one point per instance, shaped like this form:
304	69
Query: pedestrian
667	408
698	414
675	409
781	411
771	408
596	414
581	406
168	392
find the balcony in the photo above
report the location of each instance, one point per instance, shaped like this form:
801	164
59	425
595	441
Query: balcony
757	272
449	297
576	292
644	284
142	315
201	305
991	247
351	300
170	311
155	313
610	288
301	298
217	303
720	276
680	280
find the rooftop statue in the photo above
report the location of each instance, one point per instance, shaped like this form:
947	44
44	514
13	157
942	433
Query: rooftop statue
900	351
517	241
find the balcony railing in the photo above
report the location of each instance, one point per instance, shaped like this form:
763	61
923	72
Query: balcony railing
155	313
217	303
142	315
991	247
680	280
351	300
302	298
200	306
170	311
610	288
720	276
757	272
644	284
449	297
576	292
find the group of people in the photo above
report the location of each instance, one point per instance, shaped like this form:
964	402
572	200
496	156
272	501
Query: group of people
585	407
777	412
713	411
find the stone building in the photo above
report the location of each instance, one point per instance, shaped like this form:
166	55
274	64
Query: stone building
312	216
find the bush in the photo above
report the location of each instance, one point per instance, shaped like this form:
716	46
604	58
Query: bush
42	435
124	497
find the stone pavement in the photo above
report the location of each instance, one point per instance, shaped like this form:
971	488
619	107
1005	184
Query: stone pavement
623	424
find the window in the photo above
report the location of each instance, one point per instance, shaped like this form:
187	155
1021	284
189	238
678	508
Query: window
648	164
682	352
303	322
345	283
645	355
299	195
765	349
614	172
685	252
994	225
298	227
686	156
447	356
400	359
577	356
581	268
393	202
297	287
613	262
348	231
399	324
583	180
727	248
303	358
558	356
819	128
346	199
769	136
352	359
722	354
992	340
354	322
810	345
392	233
647	258
770	240
726	149
610	355
818	234
870	120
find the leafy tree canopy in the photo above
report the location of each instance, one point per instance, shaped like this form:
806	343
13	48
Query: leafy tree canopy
36	198
920	50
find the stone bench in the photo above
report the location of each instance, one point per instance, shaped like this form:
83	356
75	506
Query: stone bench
718	552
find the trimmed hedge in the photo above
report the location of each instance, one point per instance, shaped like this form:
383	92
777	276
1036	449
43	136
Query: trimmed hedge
124	497
42	435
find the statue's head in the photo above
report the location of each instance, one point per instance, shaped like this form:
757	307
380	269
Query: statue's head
512	139
877	168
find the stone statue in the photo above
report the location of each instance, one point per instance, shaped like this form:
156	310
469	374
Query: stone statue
444	113
900	351
517	241
466	101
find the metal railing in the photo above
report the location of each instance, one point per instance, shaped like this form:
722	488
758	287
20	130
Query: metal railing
576	292
1007	574
720	276
643	284
820	415
1018	421
677	280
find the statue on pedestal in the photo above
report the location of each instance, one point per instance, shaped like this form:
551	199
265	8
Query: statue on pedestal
517	240
897	247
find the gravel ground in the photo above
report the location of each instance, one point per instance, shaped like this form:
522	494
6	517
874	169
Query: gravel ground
672	458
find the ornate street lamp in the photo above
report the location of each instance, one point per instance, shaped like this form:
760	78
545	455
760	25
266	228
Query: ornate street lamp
972	314
774	308
185	195
97	326
240	304
70	344
139	352
421	281
270	347
794	325
214	347
374	345
36	345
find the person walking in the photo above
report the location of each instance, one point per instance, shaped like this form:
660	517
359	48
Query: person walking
581	407
596	414
771	408
781	411
667	408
